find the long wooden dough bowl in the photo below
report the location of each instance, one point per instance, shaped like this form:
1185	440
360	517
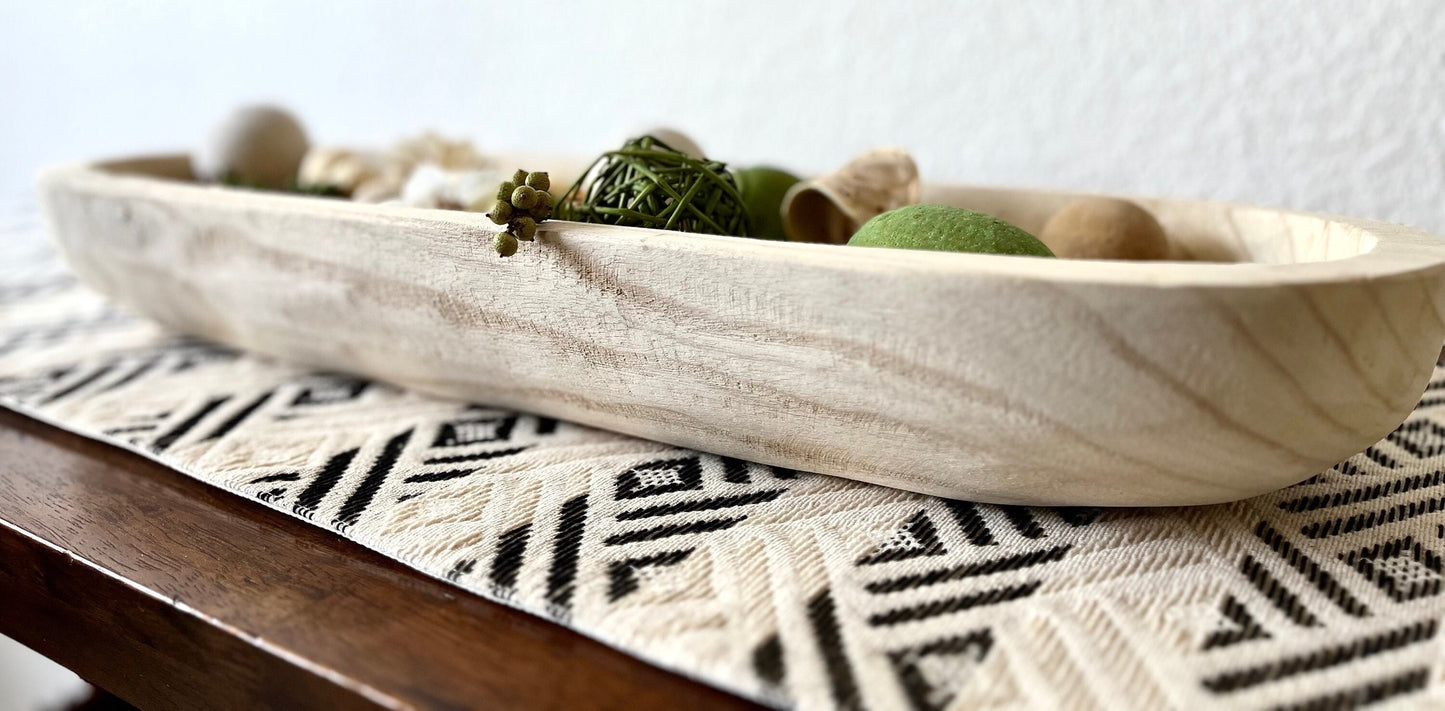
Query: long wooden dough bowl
1000	379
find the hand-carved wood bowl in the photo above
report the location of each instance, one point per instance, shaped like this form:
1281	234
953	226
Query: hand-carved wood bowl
1001	379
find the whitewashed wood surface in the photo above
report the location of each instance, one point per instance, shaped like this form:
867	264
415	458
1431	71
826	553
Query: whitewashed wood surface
1000	379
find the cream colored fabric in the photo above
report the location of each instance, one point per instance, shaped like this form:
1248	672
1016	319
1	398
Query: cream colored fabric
793	589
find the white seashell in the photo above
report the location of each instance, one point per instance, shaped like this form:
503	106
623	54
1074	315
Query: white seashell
431	185
425	187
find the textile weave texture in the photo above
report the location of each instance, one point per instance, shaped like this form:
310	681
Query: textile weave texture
786	587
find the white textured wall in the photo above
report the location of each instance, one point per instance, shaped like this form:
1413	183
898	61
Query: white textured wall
1318	104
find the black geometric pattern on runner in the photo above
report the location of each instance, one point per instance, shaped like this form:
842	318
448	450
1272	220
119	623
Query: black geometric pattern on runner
366	491
823	615
1403	568
917	537
239	417
566	544
967	516
928	687
1394	487
331	389
1420	438
1325	658
936	576
164	442
511	547
330	475
1245	627
1363	522
459	433
623	575
1365	694
1311	570
1276	592
768	661
663	476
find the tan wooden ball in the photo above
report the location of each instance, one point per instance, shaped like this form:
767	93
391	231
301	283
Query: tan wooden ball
260	146
676	140
1105	228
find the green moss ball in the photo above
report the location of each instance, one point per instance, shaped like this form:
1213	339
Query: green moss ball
946	229
763	189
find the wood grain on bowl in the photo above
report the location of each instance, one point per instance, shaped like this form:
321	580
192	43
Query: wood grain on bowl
1003	379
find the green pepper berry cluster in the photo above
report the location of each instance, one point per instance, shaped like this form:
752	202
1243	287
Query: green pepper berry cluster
522	202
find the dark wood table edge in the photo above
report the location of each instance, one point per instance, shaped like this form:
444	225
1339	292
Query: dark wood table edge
66	603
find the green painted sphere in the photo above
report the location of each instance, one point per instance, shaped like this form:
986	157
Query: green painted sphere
946	229
763	189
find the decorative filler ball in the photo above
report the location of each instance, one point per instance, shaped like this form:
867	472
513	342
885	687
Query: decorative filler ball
946	229
646	183
1105	228
676	140
763	189
254	146
521	203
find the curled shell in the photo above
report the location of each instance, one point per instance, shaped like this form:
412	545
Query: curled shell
396	166
434	148
830	208
386	186
340	169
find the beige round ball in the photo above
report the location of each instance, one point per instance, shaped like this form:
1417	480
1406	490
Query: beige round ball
676	140
1105	228
260	146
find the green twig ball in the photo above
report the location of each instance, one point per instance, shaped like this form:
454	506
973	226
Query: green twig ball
647	184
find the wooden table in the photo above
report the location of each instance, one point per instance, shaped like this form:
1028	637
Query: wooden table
173	594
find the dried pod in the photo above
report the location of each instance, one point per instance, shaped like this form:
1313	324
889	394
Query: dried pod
525	228
543	209
523	198
539	180
832	207
501	212
505	244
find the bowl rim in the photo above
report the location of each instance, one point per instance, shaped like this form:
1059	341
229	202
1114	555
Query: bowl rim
1397	250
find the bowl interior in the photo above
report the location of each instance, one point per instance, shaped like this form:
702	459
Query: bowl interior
1197	230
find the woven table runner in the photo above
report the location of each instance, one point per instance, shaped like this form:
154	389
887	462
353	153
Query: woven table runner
785	587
